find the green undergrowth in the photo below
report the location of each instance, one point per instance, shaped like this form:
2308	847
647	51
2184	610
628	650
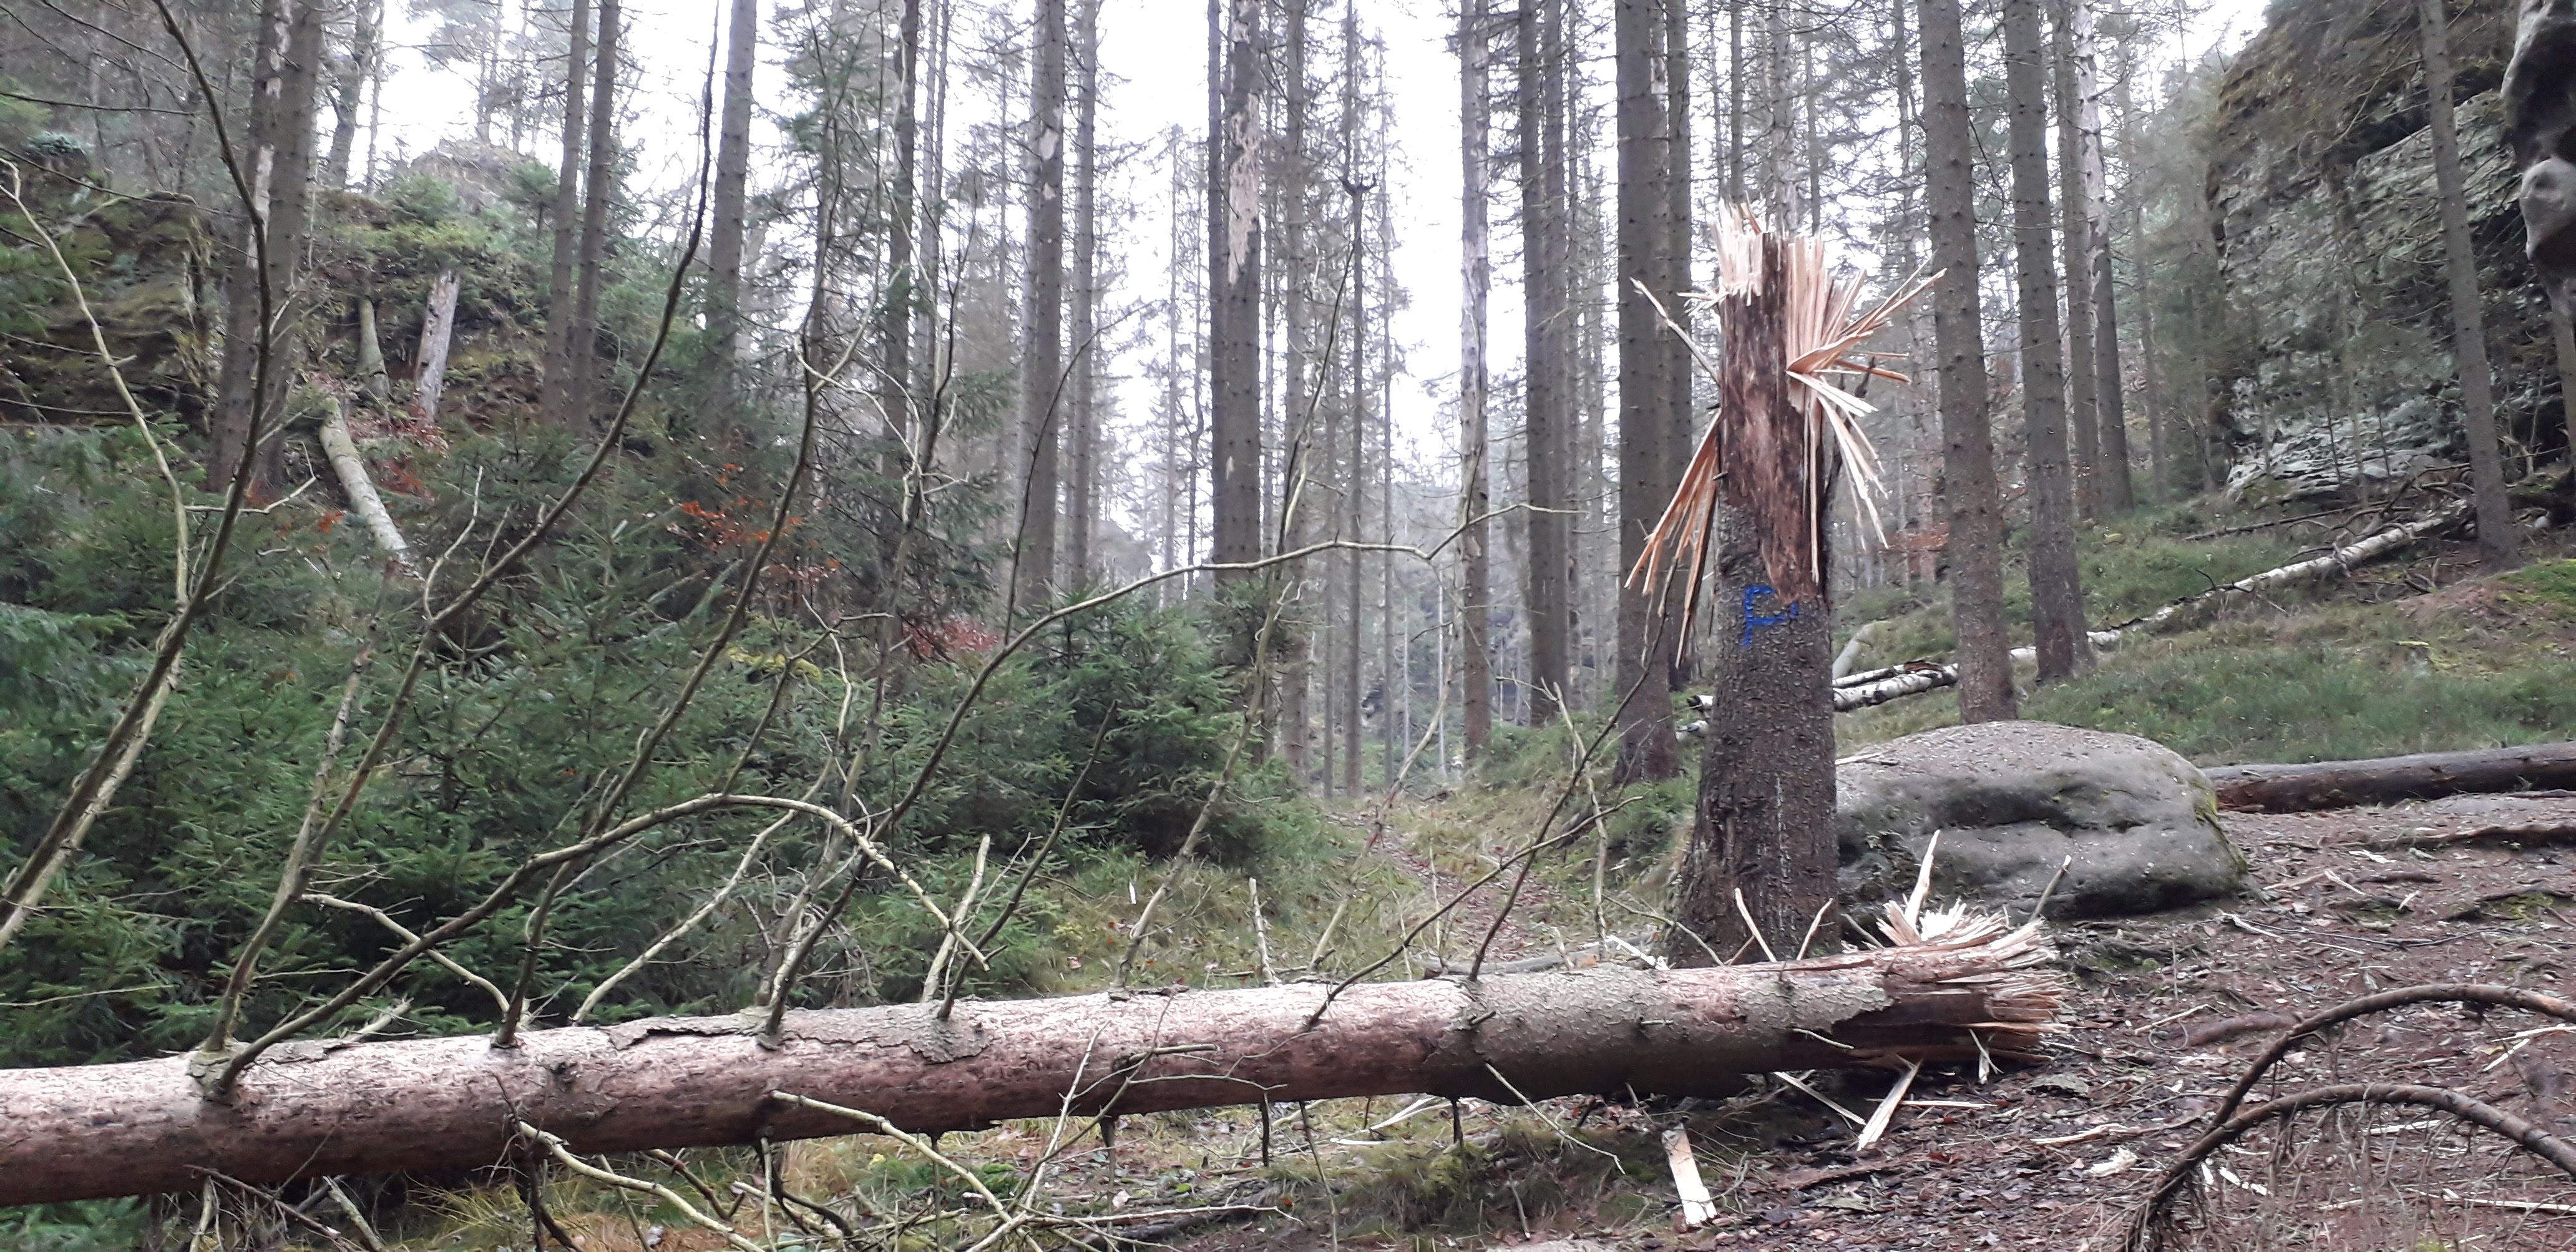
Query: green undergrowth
2314	673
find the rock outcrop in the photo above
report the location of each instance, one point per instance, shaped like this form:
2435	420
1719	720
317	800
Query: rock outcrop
2321	199
2014	800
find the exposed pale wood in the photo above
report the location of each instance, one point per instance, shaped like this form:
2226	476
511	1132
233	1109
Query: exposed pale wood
2386	780
435	331
361	489
1903	682
323	1109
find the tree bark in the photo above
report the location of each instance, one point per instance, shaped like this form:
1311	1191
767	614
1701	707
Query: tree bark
2115	490
2056	590
322	1109
1968	489
2498	546
2082	406
1307	476
1475	675
2562	338
2387	780
599	187
437	329
371	356
1543	302
1648	472
1762	845
366	46
1042	374
1234	267
555	404
254	375
1082	521
731	202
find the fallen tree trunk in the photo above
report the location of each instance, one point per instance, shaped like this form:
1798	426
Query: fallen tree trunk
321	1109
1898	681
2386	780
1903	680
361	489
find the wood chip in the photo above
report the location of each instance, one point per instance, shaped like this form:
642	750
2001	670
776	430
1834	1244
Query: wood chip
1698	1207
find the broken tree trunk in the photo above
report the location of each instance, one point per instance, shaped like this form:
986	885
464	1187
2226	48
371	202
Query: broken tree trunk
435	331
321	1109
2388	779
1903	680
361	489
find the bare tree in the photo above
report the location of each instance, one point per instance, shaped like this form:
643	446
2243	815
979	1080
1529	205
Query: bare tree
1538	33
2082	409
366	53
1968	489
1082	519
1475	676
2115	490
599	187
556	403
1234	291
2056	594
724	241
271	242
1042	350
2497	544
1647	472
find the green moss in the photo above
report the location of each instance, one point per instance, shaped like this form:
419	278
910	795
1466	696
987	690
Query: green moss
2550	584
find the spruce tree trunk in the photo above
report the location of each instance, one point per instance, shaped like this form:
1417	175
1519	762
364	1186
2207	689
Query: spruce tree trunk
1762	841
1358	402
556	399
2082	410
1042	374
1083	520
2115	490
2057	597
366	46
724	241
1475	676
328	1109
1678	371
257	369
2498	547
1969	494
1234	292
1543	391
1648	472
1311	458
581	352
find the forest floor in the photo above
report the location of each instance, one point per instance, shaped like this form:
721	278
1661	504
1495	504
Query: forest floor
2167	1010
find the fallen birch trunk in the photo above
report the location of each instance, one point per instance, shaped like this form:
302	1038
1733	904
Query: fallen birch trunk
361	489
322	1109
2388	779
1892	684
2368	548
1898	681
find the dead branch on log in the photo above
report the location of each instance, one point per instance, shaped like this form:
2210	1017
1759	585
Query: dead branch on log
324	1109
2386	780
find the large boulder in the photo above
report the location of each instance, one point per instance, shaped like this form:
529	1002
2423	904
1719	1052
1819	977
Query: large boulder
2013	800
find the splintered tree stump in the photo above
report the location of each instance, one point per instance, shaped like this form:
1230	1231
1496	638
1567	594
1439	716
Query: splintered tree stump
324	1108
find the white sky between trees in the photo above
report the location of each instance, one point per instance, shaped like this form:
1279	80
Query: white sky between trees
1153	56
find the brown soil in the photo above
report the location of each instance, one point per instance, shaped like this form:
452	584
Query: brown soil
2057	1155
